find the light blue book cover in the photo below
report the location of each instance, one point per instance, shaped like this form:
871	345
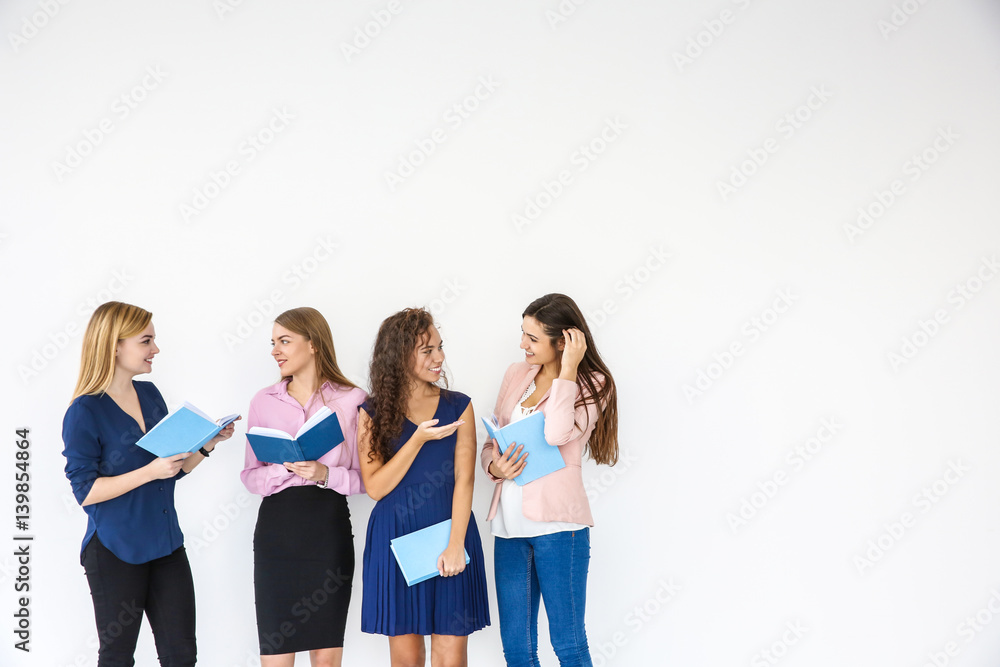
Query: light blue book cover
543	458
186	429
417	552
321	433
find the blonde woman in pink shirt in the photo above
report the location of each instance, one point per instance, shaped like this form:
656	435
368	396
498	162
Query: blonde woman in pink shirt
542	529
303	543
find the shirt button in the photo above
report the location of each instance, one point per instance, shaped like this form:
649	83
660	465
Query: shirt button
161	488
164	511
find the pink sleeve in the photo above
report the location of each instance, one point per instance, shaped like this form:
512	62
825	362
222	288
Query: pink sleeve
563	422
490	446
260	478
345	477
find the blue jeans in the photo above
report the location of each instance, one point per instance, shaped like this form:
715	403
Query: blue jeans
552	566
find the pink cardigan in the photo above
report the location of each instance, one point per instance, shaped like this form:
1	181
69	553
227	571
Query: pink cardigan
558	496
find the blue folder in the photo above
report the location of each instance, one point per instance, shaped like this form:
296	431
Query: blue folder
321	433
417	553
543	458
186	429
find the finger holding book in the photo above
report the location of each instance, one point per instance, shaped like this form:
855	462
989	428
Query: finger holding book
225	434
451	561
166	467
314	471
511	463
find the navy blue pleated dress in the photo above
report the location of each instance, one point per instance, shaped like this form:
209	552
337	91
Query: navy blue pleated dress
457	605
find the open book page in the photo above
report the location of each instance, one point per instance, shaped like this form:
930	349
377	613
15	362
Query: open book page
317	417
270	432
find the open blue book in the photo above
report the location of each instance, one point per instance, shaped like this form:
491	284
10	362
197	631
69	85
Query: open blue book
417	552
543	458
186	429
320	434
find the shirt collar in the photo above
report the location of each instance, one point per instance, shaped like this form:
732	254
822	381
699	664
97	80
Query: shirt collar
280	389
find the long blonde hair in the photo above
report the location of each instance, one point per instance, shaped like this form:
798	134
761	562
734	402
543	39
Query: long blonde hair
110	323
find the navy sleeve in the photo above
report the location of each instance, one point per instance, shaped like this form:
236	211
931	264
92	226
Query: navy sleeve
82	449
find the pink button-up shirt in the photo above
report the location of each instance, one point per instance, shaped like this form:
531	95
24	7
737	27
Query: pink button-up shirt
274	408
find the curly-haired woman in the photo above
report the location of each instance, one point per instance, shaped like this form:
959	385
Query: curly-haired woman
417	447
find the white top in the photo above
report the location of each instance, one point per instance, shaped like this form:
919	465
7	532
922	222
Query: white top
509	520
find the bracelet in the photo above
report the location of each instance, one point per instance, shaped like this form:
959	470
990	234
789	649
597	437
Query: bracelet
326	480
204	452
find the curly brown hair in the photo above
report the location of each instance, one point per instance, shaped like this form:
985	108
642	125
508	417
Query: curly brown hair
389	376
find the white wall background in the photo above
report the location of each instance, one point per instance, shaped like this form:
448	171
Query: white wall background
843	547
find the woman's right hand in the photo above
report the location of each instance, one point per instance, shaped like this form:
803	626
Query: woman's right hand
168	467
427	431
509	465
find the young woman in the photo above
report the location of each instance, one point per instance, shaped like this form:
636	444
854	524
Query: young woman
541	529
133	551
303	544
417	443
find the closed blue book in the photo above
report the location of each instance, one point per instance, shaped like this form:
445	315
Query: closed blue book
543	458
186	429
320	434
417	553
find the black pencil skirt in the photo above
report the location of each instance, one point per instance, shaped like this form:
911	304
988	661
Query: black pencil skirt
303	550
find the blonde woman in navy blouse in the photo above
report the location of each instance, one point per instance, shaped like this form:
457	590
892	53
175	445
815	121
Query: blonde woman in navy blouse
133	551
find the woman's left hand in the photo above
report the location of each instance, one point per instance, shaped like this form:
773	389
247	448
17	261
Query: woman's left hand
575	347
314	471
451	561
224	434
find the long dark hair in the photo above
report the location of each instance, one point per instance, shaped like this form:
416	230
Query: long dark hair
556	312
389	376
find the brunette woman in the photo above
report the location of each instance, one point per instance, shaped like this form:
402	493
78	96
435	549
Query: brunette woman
542	529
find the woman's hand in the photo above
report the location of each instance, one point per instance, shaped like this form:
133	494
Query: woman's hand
428	431
314	471
224	434
451	561
576	346
509	466
166	468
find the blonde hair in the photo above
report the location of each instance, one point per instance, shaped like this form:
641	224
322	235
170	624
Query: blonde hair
110	323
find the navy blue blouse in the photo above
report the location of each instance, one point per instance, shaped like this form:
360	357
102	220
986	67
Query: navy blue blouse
99	439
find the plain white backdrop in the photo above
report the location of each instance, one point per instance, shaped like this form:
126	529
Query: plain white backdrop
780	218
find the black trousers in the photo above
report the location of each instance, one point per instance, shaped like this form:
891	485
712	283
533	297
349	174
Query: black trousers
162	589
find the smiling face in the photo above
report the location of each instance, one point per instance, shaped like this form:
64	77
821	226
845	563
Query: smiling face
537	345
428	357
291	350
134	355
